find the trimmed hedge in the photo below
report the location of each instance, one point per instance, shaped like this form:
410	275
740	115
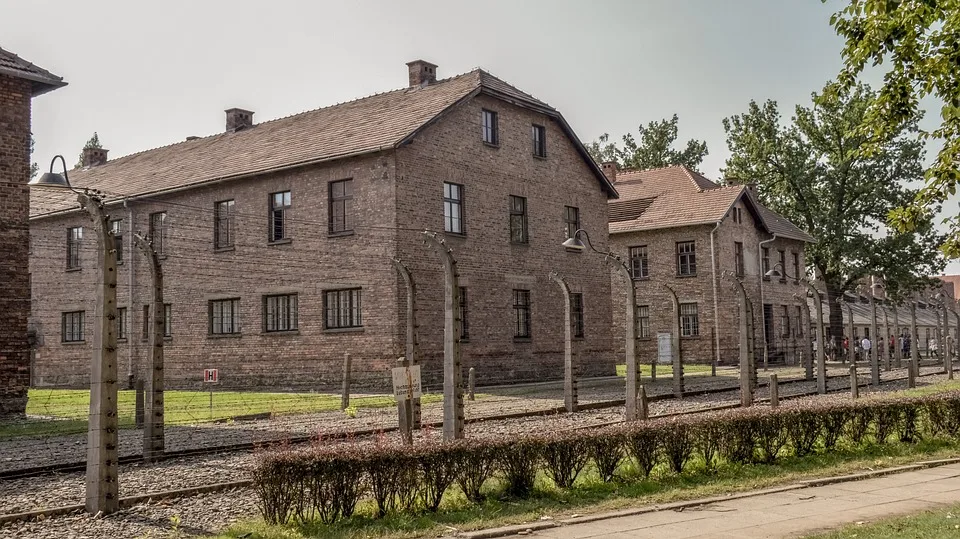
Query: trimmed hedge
326	483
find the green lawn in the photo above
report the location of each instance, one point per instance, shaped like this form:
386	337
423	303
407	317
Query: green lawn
937	524
666	370
64	411
591	495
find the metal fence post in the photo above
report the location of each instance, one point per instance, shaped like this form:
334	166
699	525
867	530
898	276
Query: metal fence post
569	384
471	383
345	390
153	428
774	391
854	385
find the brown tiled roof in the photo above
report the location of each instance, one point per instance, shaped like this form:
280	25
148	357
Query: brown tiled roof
14	66
357	127
678	196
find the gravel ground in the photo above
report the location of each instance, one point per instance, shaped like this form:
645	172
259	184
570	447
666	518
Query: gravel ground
210	512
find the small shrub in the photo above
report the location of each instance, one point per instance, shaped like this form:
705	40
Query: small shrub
518	462
477	463
643	441
678	442
910	422
606	448
708	436
771	435
565	456
438	468
739	442
803	428
886	419
835	420
859	424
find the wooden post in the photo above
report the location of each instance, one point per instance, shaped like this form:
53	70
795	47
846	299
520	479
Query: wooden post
643	410
471	383
911	375
746	358
153	428
405	410
102	481
411	340
569	384
452	377
138	404
774	391
345	391
675	345
854	386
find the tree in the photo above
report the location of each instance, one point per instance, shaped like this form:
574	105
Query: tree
918	42
654	150
814	172
94	142
34	167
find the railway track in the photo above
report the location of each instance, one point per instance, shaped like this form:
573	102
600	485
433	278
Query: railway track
215	487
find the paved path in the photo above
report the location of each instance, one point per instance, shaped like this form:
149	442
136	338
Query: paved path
784	514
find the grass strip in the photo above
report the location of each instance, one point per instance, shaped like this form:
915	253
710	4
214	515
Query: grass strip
932	524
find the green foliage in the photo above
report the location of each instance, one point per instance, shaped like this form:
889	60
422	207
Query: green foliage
654	149
34	167
916	44
815	171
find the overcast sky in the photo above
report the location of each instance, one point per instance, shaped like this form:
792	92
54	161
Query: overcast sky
148	74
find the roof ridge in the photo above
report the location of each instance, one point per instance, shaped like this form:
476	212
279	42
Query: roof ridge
279	118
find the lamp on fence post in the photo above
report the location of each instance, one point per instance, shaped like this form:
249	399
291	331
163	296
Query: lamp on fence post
101	480
630	342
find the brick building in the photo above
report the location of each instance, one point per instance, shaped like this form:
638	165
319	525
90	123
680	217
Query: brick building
19	82
675	227
277	242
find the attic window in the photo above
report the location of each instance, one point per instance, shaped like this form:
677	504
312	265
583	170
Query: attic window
737	215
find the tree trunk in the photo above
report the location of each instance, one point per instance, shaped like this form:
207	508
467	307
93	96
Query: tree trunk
836	319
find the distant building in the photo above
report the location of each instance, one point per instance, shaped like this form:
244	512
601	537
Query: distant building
278	242
676	228
19	82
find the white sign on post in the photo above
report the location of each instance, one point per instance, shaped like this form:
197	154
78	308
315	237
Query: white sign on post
211	375
664	348
406	382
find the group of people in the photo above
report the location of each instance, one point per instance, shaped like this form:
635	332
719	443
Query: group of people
863	346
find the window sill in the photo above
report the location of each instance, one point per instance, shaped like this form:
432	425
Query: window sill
122	340
571	250
520	244
464	341
280	333
224	249
284	241
522	339
540	157
119	262
224	335
690	337
340	234
73	343
641	278
69	270
686	276
492	144
161	256
344	330
581	338
458	235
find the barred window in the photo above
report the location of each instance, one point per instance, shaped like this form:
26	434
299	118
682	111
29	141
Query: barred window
521	308
462	313
796	266
280	204
488	120
280	312
576	314
72	329
121	323
800	321
74	239
167	320
643	321
342	309
116	228
783	265
453	208
571	218
341	207
689	320
223	224
518	220
785	321
737	215
159	231
225	316
639	264
738	257
686	258
539	141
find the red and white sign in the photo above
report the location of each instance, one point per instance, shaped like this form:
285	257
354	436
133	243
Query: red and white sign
211	375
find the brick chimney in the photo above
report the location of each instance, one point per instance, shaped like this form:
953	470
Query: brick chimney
93	157
238	119
422	73
609	170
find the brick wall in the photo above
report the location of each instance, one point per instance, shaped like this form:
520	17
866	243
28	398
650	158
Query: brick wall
699	289
397	194
14	244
